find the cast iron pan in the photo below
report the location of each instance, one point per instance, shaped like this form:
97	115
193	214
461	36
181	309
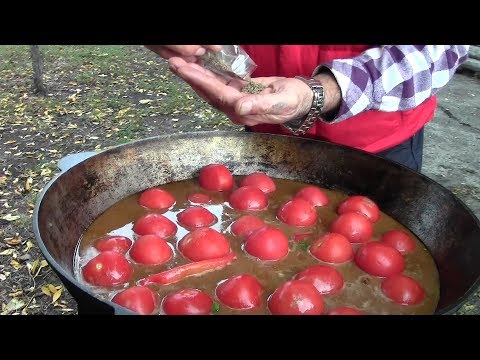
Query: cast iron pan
71	201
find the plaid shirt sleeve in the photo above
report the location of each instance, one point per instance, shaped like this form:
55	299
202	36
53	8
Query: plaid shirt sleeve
393	77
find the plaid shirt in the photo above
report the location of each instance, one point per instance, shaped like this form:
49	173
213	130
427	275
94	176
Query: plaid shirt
393	77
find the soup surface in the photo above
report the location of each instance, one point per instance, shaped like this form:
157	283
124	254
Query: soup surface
360	290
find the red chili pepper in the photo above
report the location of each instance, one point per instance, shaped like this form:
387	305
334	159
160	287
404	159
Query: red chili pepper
194	268
299	237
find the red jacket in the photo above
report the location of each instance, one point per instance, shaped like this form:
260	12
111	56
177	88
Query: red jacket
372	131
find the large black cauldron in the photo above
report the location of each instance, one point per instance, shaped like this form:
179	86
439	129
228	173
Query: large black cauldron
71	201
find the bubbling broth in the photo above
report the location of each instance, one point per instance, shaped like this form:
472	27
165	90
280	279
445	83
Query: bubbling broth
360	290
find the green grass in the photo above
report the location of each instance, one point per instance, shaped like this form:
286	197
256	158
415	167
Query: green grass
114	86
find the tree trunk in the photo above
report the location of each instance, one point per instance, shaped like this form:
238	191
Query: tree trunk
37	62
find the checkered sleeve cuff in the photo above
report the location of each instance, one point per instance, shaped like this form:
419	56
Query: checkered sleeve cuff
393	77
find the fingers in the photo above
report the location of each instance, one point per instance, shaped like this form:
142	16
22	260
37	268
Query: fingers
213	89
168	54
192	50
177	62
213	47
188	52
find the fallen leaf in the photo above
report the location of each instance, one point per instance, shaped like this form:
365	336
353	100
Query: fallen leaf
3	180
16	293
34	267
56	296
28	184
122	112
52	288
46	291
7	252
28	246
14	241
10	217
13	305
46	172
16	265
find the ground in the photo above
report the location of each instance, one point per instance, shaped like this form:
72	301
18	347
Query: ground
100	96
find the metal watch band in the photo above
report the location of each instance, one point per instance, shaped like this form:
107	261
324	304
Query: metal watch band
301	126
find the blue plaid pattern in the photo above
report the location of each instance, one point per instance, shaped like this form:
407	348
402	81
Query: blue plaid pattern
393	77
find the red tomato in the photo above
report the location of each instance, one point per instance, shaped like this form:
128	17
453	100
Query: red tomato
156	199
107	269
248	198
140	299
240	292
267	243
246	224
344	310
259	180
216	177
332	248
403	290
120	244
354	226
155	224
296	297
199	198
313	195
196	216
297	212
151	250
187	302
203	244
399	240
361	204
379	259
326	279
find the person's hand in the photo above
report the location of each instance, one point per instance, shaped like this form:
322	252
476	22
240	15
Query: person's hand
189	53
284	99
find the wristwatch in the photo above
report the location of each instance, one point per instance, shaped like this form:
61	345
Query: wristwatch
301	126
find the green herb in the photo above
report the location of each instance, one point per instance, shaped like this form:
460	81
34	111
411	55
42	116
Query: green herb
253	87
215	307
303	246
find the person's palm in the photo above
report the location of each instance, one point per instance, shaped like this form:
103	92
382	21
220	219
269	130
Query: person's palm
283	99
